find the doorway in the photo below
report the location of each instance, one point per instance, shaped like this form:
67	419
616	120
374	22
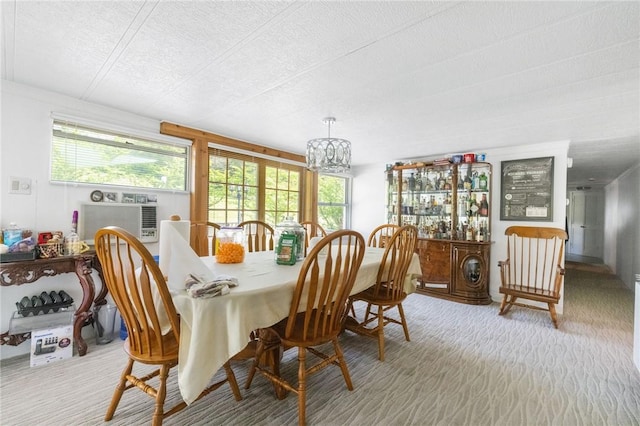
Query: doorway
586	224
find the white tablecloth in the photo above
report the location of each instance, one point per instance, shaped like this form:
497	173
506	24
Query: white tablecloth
215	329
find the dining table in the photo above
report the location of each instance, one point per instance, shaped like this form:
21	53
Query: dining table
214	329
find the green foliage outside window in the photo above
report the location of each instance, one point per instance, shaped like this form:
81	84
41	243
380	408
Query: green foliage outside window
333	202
234	191
84	155
282	189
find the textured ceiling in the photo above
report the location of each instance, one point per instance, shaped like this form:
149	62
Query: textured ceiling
403	79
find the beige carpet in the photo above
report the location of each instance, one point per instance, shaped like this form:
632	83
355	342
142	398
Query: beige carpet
465	365
589	267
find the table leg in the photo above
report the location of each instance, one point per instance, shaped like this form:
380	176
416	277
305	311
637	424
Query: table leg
272	357
83	313
102	294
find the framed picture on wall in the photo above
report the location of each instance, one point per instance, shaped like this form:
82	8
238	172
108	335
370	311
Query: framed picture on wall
128	197
526	190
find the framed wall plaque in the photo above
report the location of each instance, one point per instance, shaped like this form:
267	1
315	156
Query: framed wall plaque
526	191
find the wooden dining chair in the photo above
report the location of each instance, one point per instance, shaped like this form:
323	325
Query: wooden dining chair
259	235
377	238
141	294
203	238
317	312
312	229
533	269
380	235
388	291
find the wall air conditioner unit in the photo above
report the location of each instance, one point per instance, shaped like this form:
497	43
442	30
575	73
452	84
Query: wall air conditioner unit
139	219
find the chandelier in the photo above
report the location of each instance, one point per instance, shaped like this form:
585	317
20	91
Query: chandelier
329	154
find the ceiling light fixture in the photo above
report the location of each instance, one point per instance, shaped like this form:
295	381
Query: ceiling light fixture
329	154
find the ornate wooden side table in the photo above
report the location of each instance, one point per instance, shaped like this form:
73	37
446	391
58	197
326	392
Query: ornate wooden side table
28	271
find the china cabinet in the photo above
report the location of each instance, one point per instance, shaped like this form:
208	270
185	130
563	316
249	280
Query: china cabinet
450	204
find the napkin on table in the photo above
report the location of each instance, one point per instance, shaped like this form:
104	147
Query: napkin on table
188	271
198	286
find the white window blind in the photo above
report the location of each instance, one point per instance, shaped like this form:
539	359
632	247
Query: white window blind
82	154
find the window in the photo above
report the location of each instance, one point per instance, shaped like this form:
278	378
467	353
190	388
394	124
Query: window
334	202
242	187
92	156
282	194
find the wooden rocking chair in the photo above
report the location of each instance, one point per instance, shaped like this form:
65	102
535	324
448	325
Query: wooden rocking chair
533	269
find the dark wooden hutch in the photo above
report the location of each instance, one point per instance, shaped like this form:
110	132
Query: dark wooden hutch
450	203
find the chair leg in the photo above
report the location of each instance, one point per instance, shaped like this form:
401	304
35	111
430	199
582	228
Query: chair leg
502	305
404	322
231	378
351	308
554	316
302	385
254	365
161	394
380	330
117	394
343	364
507	303
367	313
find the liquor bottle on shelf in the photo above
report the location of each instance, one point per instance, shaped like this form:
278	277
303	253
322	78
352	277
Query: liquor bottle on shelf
412	183
462	204
469	231
467	182
475	183
442	182
483	181
484	206
473	205
419	181
449	181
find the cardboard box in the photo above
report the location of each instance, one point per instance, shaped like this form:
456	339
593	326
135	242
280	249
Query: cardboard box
51	345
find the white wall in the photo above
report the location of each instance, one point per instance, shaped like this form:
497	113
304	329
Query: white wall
24	152
636	329
611	200
368	199
369	202
558	150
622	229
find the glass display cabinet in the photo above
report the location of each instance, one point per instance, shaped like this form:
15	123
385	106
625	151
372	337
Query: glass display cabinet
450	204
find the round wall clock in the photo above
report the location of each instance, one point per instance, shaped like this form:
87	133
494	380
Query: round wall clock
96	195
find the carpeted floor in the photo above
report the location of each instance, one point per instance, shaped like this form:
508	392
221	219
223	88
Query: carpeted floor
464	365
589	267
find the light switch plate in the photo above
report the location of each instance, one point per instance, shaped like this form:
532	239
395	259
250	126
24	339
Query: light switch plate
19	185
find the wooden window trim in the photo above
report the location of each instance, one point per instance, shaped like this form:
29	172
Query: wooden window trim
200	168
